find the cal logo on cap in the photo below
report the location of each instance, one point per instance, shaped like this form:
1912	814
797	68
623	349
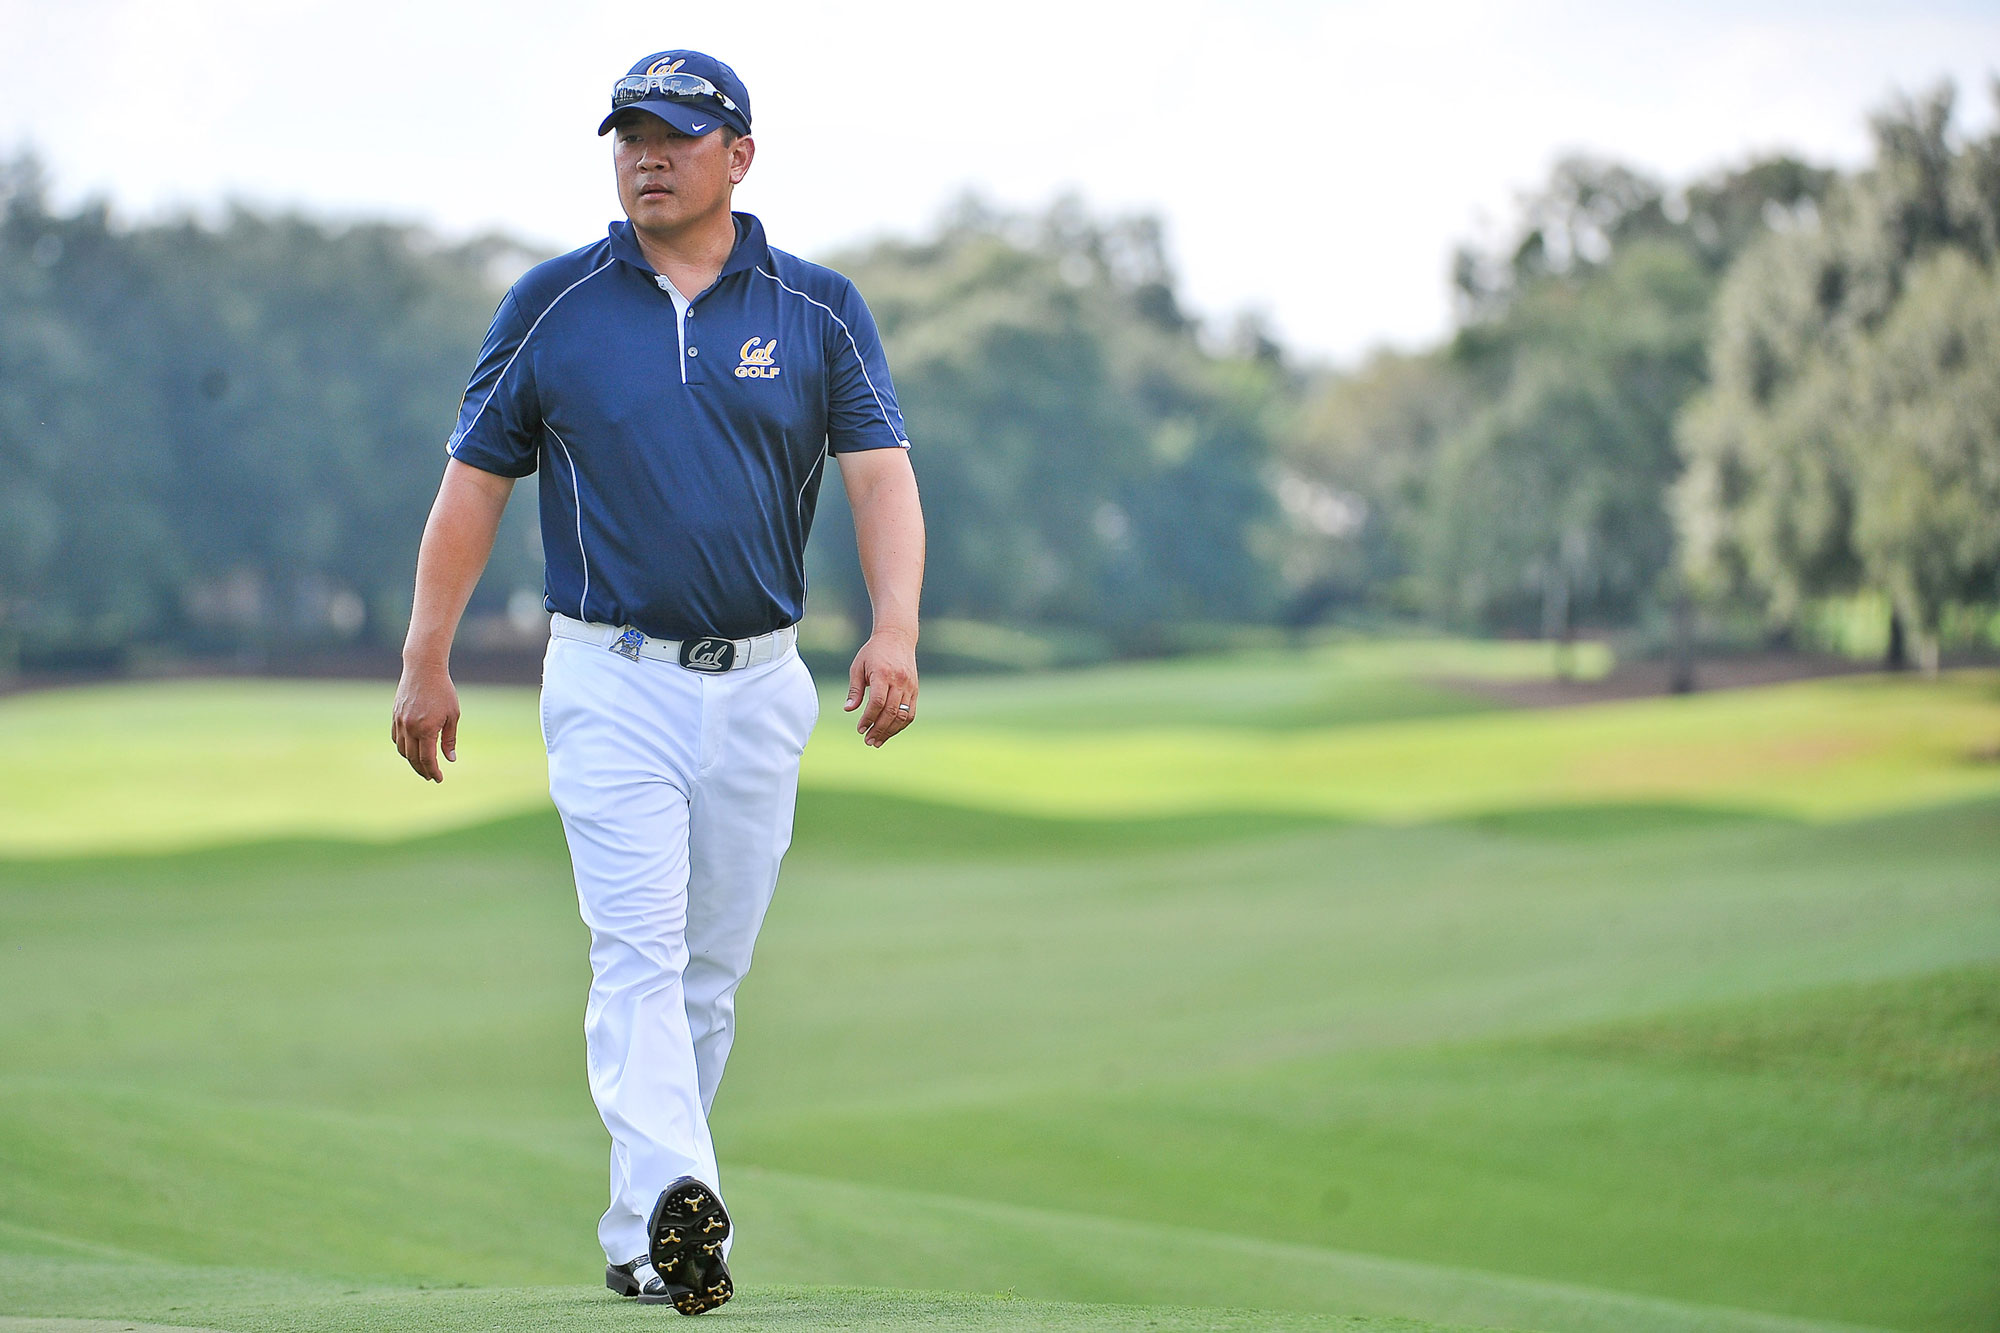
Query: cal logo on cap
666	66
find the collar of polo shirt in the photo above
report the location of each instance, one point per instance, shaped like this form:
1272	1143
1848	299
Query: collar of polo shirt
750	250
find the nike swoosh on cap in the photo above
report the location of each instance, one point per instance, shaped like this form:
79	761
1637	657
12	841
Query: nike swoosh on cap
702	126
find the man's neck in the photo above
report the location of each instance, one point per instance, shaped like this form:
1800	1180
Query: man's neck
690	257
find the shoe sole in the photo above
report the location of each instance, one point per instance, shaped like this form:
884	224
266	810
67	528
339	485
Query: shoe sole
624	1284
684	1240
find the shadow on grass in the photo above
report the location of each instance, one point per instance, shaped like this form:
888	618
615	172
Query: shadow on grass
873	826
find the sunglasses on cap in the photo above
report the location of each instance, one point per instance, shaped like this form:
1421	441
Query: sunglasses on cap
638	87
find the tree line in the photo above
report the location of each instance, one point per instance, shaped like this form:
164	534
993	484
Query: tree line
222	437
1775	384
1763	388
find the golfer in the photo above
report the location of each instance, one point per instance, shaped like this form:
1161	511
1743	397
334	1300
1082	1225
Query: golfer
678	386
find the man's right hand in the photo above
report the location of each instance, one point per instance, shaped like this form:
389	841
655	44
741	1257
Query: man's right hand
457	540
425	722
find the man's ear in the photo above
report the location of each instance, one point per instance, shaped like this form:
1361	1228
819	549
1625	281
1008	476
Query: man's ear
741	154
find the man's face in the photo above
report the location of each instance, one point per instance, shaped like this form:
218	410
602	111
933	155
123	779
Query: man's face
667	179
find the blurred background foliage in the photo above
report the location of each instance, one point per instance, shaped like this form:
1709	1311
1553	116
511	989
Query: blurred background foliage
1771	394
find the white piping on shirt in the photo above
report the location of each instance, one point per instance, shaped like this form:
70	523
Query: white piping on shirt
800	506
501	378
859	359
576	494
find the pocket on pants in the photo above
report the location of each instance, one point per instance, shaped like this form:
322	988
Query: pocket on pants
548	684
809	713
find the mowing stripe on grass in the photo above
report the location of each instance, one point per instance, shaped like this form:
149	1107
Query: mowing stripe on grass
182	764
909	1238
1832	1153
1821	750
1180	1278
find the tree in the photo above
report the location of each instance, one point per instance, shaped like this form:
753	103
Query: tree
1085	460
86	559
1924	444
1581	340
1839	446
1547	501
223	436
1357	463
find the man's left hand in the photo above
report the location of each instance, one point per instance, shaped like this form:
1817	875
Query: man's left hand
884	677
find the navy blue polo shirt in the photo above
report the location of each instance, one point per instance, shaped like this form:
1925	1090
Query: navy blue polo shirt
679	463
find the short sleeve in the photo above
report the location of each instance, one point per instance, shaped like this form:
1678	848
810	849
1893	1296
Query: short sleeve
861	401
499	421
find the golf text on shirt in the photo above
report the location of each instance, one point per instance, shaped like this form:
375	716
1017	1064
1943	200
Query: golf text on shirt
675	498
757	361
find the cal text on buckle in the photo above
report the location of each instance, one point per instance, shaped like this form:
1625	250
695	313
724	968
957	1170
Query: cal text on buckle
708	654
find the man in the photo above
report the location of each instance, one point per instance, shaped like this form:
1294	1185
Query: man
679	386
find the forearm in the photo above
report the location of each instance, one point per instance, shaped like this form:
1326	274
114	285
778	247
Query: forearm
889	535
458	539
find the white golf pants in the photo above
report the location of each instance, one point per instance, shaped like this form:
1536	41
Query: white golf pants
676	790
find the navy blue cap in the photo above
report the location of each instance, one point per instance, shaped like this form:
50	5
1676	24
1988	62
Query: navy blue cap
690	115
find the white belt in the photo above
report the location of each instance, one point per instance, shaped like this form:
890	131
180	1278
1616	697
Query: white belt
707	654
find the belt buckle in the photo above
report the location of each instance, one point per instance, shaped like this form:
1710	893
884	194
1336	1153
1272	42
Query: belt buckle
708	653
628	644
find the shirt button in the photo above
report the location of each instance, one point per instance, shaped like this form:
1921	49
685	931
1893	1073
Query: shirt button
694	351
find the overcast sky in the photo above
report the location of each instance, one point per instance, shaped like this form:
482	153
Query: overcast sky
1314	161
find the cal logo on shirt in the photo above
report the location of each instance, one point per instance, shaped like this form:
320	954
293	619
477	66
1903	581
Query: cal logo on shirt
757	360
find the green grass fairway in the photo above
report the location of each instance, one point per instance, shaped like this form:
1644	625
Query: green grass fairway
203	762
1569	1057
1817	750
199	763
208	1300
